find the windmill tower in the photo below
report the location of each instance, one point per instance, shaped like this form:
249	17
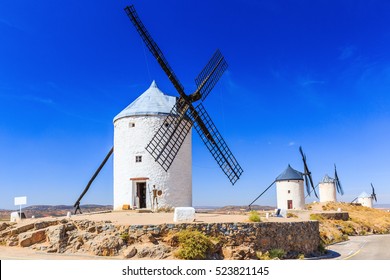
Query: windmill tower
135	170
290	190
328	187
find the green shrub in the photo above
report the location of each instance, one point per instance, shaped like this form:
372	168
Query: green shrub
316	217
276	253
321	248
291	215
124	236
263	256
254	217
193	245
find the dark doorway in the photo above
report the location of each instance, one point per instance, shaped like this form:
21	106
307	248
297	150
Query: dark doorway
141	193
289	204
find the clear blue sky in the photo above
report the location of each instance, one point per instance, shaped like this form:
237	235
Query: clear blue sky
310	73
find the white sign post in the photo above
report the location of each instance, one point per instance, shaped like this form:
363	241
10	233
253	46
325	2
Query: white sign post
21	200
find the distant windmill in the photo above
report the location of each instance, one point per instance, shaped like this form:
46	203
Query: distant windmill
166	143
365	199
329	186
289	187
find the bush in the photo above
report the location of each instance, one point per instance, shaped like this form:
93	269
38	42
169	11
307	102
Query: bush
291	215
276	253
254	217
316	217
124	236
193	245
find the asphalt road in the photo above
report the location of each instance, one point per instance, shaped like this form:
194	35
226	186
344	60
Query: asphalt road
371	247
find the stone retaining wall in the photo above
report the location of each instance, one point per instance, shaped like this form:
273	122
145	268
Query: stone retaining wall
298	237
344	216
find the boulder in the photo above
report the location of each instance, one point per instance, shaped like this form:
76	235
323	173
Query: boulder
130	252
29	238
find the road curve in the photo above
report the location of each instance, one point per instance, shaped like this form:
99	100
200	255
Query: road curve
369	247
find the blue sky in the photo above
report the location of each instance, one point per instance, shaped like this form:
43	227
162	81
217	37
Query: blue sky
310	73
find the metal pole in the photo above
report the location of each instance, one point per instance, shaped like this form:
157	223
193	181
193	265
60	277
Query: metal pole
261	194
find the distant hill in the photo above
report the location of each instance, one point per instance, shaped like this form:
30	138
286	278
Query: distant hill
40	211
53	210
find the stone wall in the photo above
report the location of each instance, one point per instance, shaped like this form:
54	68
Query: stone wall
292	237
233	240
344	216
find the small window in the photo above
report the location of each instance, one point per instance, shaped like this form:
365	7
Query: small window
288	191
138	158
131	124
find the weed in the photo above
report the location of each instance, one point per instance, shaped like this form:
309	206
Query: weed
193	245
276	253
316	217
124	236
291	215
254	217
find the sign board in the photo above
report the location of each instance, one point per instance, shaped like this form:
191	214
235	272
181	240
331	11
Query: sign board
21	200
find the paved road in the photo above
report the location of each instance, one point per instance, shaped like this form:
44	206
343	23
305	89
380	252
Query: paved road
371	247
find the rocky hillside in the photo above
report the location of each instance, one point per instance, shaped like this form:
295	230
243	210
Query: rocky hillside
362	221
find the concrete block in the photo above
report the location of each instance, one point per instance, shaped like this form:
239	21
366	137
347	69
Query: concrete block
184	214
14	217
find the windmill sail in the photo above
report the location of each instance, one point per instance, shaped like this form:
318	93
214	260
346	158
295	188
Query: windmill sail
153	48
210	75
307	174
373	194
218	147
167	141
337	182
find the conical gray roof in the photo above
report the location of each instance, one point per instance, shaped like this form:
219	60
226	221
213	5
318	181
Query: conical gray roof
152	102
327	179
364	195
289	174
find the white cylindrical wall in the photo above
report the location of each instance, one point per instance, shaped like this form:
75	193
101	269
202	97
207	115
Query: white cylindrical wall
365	201
131	136
327	192
291	190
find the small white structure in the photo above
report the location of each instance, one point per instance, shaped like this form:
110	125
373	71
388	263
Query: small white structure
135	170
14	217
365	199
184	214
327	189
289	189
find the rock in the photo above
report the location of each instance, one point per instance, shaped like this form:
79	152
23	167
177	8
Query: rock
106	245
3	226
157	252
29	238
129	252
152	239
12	243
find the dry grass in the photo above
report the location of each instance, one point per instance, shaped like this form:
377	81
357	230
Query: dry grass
362	221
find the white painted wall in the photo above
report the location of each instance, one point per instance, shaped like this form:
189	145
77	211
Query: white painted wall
290	190
365	201
327	192
130	142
